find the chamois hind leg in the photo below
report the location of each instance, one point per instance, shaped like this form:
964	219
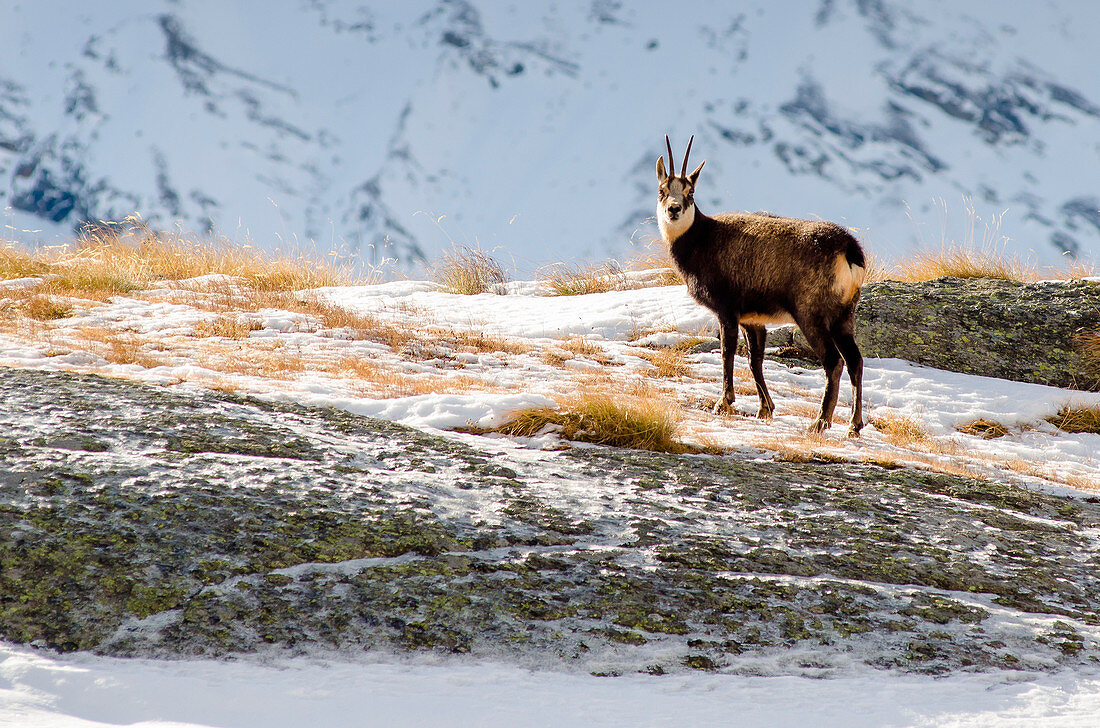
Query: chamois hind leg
727	332
846	342
827	352
757	336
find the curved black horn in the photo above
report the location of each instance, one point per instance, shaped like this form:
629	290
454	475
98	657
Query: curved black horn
671	164
684	166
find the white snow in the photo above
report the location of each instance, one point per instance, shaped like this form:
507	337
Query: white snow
40	690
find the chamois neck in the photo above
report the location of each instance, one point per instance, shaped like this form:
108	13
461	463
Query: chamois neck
672	230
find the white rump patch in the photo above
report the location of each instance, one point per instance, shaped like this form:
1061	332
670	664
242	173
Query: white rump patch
847	278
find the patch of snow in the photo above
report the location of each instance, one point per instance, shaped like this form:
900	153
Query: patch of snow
435	411
41	690
14	283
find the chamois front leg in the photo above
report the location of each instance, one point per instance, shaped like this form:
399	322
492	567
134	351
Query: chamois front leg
853	360
727	333
831	361
757	337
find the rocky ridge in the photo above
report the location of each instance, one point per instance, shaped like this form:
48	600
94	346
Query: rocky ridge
1024	332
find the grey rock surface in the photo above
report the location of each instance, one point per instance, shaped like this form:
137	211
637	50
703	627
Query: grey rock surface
138	520
1027	332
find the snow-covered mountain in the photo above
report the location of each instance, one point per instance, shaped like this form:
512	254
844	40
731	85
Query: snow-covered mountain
392	129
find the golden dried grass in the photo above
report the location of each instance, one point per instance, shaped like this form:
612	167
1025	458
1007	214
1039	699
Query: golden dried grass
227	298
983	428
1073	480
818	448
387	382
1072	269
654	256
580	346
1077	418
117	347
467	270
801	409
117	258
645	423
263	359
566	279
228	326
961	262
478	342
670	362
901	430
34	304
555	357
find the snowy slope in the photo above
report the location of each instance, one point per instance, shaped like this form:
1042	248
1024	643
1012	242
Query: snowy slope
534	128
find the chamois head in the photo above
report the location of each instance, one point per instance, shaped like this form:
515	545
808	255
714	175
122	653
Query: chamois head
676	194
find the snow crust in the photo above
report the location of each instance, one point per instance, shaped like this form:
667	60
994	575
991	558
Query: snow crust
38	690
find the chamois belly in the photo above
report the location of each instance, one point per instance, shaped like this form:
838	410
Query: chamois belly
748	314
779	317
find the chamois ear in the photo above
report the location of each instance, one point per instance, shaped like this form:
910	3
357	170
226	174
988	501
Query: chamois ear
661	174
694	176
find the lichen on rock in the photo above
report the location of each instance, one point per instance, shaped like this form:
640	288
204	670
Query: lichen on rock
211	524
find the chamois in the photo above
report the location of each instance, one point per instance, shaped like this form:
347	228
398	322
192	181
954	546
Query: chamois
755	269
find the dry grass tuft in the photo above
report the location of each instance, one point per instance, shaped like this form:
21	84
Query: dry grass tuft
35	305
671	362
227	326
556	357
1074	480
644	423
365	327
565	279
270	360
1073	269
1089	346
468	271
580	346
983	428
117	347
47	308
875	270
961	262
1083	418
385	382
116	258
478	342
901	430
654	257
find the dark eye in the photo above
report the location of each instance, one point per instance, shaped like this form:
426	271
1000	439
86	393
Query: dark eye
661	194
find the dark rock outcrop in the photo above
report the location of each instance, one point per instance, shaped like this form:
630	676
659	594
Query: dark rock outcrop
1027	332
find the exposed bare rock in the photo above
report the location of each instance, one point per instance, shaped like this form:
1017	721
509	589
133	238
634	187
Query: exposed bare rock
1027	332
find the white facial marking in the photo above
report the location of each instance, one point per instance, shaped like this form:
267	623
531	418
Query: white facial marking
673	227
